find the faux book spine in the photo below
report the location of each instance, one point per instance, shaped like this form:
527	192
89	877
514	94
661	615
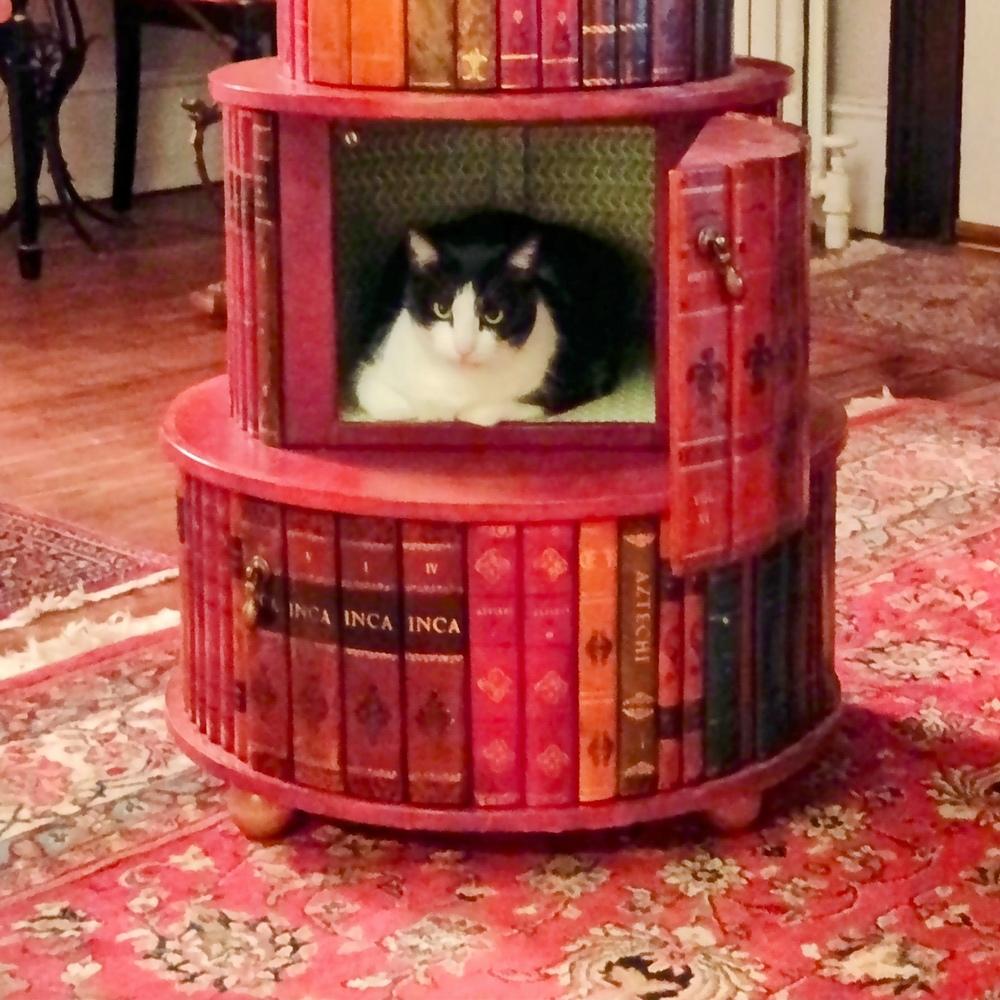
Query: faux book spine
560	44
267	259
638	666
713	38
329	35
550	665
723	652
495	665
378	43
314	647
520	55
672	42
599	45
670	671
436	637
597	637
634	56
476	44
430	30
372	637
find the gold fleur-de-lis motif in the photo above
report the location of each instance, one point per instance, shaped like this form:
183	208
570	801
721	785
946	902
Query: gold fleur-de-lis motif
473	64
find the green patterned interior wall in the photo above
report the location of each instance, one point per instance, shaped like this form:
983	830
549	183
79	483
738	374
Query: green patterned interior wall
388	177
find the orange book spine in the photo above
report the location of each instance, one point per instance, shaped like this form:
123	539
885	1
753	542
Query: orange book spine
378	43
329	26
598	661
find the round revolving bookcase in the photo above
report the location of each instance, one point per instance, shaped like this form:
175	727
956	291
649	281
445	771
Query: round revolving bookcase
615	614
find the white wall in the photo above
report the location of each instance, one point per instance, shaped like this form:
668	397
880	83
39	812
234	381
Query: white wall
859	81
174	66
980	193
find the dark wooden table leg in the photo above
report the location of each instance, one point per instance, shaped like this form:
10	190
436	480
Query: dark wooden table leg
128	62
26	139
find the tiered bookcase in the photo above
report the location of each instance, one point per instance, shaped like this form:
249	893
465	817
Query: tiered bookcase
616	616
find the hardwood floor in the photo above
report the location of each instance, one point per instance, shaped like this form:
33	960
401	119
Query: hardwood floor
91	355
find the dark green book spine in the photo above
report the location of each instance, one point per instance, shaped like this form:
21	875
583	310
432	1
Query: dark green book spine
771	650
723	634
713	38
798	635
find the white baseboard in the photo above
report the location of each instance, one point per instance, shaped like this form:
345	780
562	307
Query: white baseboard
164	157
867	121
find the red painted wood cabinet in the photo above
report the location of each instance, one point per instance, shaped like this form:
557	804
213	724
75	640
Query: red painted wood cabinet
617	615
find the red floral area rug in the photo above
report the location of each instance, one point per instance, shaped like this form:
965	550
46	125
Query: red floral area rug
875	874
41	557
940	302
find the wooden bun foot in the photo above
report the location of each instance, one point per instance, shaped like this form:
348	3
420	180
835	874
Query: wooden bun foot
738	813
257	818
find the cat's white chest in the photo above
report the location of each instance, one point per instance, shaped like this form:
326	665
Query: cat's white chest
408	380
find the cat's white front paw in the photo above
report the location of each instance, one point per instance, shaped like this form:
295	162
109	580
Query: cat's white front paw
381	401
491	414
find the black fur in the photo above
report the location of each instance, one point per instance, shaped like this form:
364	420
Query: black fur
587	284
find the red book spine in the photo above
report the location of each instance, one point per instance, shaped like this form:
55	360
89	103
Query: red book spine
520	56
283	37
212	584
314	647
694	679
599	46
435	663
196	540
223	562
184	535
791	305
754	357
673	40
232	273
550	681
699	376
371	631
670	672
560	44
265	620
495	666
247	304
300	38
242	646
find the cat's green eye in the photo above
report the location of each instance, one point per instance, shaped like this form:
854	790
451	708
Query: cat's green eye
442	311
493	318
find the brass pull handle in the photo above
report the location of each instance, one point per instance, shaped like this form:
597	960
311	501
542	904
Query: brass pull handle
716	247
256	576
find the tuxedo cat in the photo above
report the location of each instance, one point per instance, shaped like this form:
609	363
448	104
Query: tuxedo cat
494	317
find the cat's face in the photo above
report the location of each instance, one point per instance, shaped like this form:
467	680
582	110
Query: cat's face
473	304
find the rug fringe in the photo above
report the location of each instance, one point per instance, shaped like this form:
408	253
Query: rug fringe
81	636
44	604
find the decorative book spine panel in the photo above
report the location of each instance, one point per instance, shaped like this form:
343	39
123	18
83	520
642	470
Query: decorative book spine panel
299	17
693	714
791	452
329	41
267	255
495	665
248	268
747	667
598	660
430	30
828	562
214	581
550	665
520	55
436	660
771	650
372	648
238	287
476	44
223	567
188	598
560	44
196	536
599	43
638	753
263	618
723	635
670	671
798	635
241	633
634	56
754	360
812	557
672	40
699	377
314	648
232	238
283	37
713	38
378	43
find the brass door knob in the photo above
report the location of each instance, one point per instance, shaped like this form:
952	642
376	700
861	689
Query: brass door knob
717	248
256	577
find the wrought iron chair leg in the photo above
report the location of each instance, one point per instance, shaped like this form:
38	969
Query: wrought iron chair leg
60	179
58	164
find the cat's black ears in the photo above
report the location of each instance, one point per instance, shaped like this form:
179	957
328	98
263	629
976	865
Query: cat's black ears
523	259
422	253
